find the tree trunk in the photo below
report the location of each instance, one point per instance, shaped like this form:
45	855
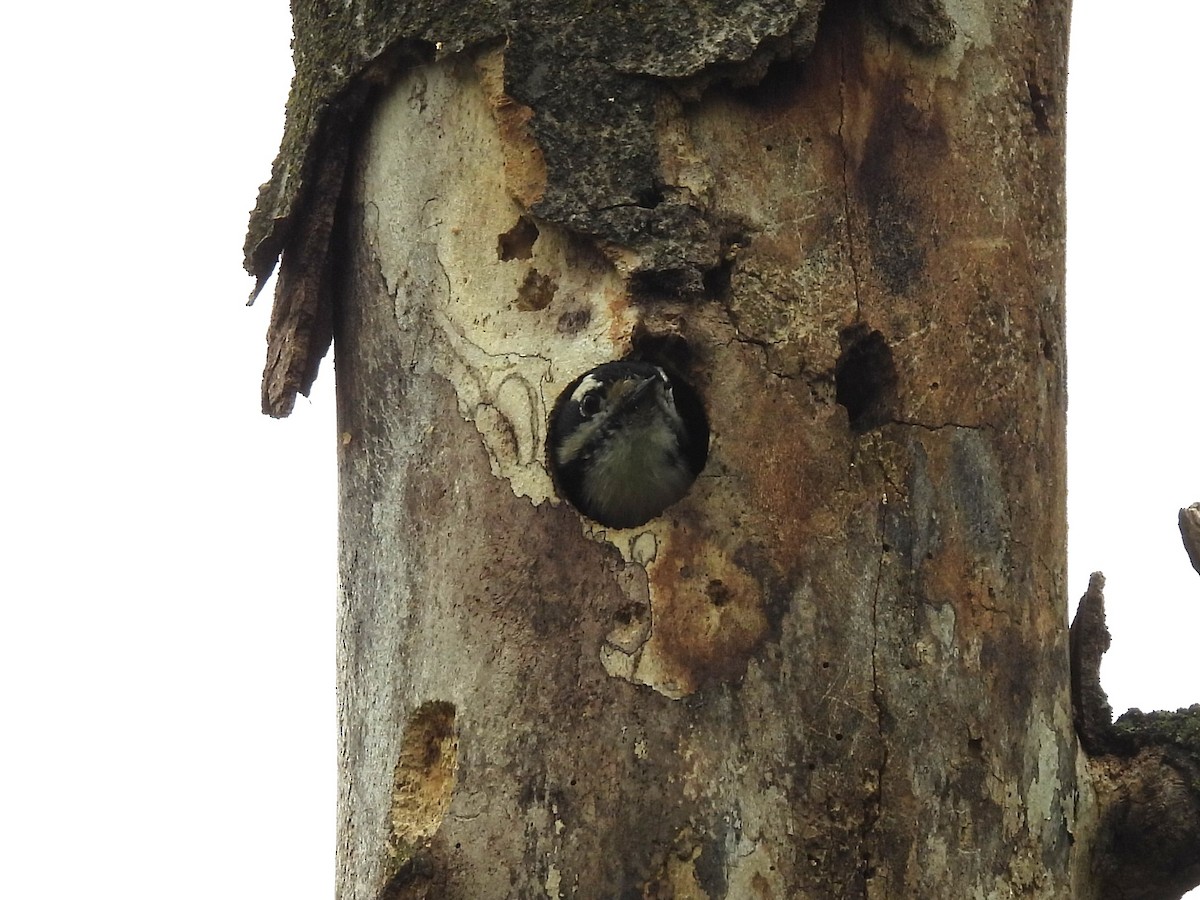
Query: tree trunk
839	666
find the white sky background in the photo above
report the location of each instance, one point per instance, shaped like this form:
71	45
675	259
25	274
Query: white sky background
168	557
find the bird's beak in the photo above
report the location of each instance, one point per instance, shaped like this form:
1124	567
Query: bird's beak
638	393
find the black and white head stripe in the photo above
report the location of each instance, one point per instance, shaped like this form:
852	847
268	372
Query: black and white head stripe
588	384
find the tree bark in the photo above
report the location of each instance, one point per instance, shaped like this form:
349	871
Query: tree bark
1189	530
839	667
1145	769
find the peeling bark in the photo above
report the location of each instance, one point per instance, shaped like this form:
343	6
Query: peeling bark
301	326
839	667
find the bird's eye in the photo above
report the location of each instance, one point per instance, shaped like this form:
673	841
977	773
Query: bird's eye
590	404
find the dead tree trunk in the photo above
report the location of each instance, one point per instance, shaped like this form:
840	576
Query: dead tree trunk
839	666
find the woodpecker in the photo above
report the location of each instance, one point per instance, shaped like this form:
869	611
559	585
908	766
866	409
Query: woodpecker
626	440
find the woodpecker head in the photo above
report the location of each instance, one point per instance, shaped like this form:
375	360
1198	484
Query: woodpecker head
626	441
